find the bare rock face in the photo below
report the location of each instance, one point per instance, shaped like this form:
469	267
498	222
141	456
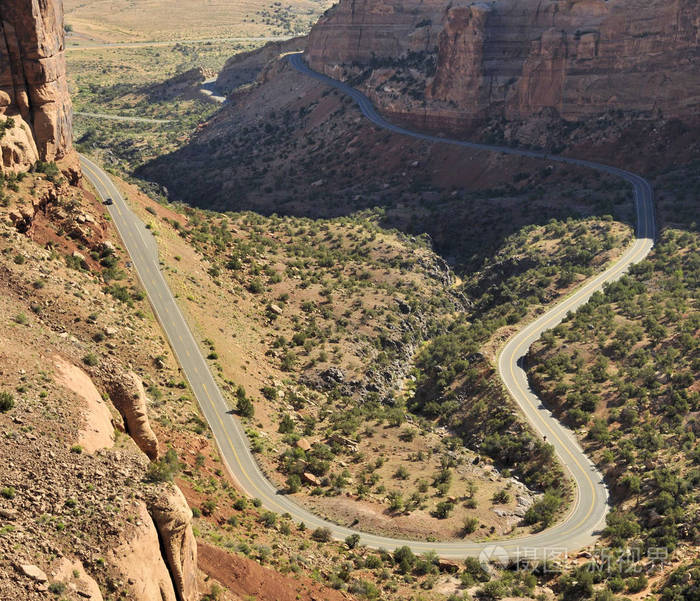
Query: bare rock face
515	59
33	88
96	431
126	391
366	31
460	57
173	519
140	562
18	149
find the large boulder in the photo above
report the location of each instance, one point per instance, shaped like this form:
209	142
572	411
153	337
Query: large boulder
173	519
140	562
127	393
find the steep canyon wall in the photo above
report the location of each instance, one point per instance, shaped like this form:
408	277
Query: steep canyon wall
514	59
34	97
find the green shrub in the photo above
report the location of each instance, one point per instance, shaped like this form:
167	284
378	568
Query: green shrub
293	483
364	589
269	392
256	286
7	401
401	473
637	584
544	510
289	360
322	535
57	588
470	525
268	518
208	506
404	559
5	125
163	469
501	497
443	510
50	169
245	407
90	359
121	293
286	424
491	591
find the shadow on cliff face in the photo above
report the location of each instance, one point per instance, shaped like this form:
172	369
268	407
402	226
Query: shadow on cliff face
289	147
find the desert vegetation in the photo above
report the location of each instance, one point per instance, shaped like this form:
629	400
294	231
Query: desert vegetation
360	329
162	84
455	381
623	370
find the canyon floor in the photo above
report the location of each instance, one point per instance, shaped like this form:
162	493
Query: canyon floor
350	289
105	21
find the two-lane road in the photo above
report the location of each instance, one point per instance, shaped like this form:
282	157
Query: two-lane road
580	526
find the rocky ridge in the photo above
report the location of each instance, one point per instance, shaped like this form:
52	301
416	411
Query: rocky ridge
244	68
35	105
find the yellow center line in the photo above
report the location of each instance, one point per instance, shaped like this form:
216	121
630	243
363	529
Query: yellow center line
558	312
260	492
608	275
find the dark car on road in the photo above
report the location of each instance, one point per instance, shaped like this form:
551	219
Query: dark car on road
109	201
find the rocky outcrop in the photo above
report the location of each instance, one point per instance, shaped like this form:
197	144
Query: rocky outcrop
182	86
33	89
126	391
244	68
79	581
140	563
166	506
18	149
96	431
369	31
173	519
515	59
460	57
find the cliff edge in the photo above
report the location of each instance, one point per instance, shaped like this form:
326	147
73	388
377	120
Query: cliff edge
35	107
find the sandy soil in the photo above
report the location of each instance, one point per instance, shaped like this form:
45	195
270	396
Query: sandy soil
128	21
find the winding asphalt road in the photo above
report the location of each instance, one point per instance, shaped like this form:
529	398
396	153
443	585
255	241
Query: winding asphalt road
583	522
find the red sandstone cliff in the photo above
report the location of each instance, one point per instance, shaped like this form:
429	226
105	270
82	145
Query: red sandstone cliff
33	88
462	61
